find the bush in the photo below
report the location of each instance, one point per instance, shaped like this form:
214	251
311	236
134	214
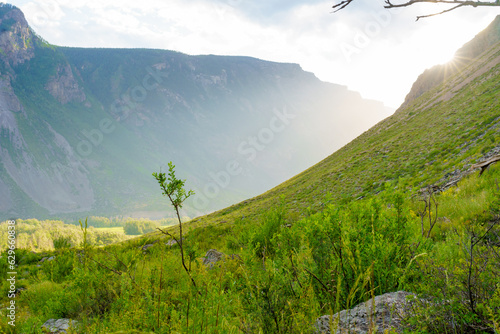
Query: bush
60	267
41	298
62	242
262	239
358	250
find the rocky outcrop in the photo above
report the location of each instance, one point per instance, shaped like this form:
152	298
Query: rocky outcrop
378	314
16	37
9	105
64	87
58	326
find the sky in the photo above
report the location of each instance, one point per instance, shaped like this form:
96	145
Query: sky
372	50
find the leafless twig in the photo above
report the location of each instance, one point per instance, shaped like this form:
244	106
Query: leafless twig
456	4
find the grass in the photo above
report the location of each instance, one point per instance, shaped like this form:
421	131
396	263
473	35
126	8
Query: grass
118	230
268	287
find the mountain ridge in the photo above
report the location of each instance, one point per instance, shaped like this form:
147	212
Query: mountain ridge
93	124
437	74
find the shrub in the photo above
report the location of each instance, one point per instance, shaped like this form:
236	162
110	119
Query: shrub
42	297
262	239
62	242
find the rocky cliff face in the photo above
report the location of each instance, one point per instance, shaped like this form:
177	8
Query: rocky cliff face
16	37
64	87
438	74
24	176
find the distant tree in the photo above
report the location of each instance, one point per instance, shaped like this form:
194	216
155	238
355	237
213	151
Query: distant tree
132	228
454	3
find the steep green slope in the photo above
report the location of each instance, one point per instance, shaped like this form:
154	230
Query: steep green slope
438	74
431	141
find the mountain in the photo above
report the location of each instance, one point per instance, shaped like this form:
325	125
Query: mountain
464	56
431	140
81	130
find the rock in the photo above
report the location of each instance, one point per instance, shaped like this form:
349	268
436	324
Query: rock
58	326
173	242
213	256
19	290
47	259
387	314
148	246
16	42
64	86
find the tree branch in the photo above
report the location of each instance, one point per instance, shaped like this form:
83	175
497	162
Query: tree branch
457	4
343	4
444	11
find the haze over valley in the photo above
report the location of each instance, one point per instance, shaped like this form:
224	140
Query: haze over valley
83	129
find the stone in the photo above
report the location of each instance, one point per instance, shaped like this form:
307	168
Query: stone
148	246
388	311
47	259
213	256
58	326
173	242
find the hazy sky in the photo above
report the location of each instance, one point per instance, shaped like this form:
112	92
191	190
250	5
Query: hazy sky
372	50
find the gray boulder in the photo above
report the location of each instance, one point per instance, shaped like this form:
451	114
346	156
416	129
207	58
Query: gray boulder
58	326
376	315
213	256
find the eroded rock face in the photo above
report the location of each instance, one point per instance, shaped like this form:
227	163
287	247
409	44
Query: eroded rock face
380	313
64	87
16	37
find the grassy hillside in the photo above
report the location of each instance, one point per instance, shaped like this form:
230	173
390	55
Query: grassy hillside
285	274
430	142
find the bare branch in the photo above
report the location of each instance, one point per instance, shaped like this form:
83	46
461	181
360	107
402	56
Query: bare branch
343	4
456	4
451	2
317	279
444	11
